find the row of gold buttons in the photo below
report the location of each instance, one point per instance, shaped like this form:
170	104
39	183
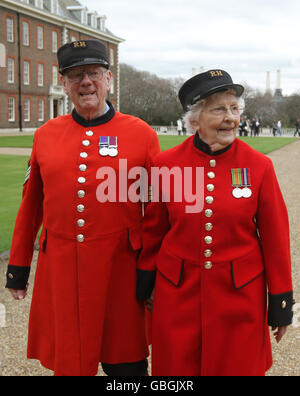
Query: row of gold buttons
82	180
208	214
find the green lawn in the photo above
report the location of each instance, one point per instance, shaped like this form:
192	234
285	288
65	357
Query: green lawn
16	141
13	169
263	144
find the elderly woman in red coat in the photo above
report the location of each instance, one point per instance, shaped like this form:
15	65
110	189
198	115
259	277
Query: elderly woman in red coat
222	270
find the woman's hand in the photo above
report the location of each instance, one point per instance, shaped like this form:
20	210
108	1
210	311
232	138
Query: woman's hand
279	332
19	294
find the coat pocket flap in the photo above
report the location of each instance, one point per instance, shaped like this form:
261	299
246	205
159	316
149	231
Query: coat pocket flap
135	237
247	268
170	266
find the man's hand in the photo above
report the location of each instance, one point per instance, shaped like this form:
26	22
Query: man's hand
19	294
149	303
279	332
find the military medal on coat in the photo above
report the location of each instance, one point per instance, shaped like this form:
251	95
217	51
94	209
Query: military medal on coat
241	182
108	146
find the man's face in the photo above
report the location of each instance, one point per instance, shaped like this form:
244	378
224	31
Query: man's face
87	86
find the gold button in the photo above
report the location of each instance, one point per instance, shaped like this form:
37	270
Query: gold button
213	163
209	213
283	304
209	200
211	175
10	276
207	253
80	223
80	238
209	226
210	187
208	240
82	167
208	265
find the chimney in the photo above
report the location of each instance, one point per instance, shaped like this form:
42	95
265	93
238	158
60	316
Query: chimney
268	83
278	80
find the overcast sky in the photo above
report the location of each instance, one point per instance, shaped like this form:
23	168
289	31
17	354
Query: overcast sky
247	38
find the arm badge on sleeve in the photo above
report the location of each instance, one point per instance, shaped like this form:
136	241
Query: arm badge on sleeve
27	173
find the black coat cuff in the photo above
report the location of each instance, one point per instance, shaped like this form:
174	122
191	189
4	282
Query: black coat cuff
17	277
145	284
280	309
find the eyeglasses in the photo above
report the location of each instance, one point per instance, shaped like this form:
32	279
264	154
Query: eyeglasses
222	111
78	75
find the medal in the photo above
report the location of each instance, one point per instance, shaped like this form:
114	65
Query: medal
247	193
113	146
237	193
103	146
241	178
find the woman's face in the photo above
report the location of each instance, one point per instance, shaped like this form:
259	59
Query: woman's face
219	120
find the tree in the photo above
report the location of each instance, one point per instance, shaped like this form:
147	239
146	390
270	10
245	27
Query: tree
149	97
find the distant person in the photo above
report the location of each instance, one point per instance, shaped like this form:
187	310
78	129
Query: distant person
274	128
179	126
252	127
279	126
297	125
256	129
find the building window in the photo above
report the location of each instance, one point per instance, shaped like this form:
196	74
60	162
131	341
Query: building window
10	30
112	86
11	109
112	56
10	70
26	73
26	33
74	38
40	37
54	75
27	109
54	41
41	110
40	75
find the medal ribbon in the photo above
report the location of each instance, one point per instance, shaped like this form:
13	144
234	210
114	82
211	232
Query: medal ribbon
103	141
240	177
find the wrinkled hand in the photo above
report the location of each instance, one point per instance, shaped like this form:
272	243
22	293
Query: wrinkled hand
149	303
279	332
19	294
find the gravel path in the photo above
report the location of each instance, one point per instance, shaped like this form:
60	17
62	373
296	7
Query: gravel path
14	315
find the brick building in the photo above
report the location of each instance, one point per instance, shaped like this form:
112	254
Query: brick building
31	31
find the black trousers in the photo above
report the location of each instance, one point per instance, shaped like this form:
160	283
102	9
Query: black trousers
135	369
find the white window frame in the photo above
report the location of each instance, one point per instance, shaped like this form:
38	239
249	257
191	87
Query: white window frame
26	73
10	30
40	37
27	105
10	70
54	41
41	110
112	56
26	31
11	109
54	75
112	86
40	73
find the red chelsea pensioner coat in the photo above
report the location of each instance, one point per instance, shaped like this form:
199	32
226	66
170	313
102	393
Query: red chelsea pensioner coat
84	308
213	268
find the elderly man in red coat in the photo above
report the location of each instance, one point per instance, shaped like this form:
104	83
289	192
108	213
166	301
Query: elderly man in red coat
84	309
